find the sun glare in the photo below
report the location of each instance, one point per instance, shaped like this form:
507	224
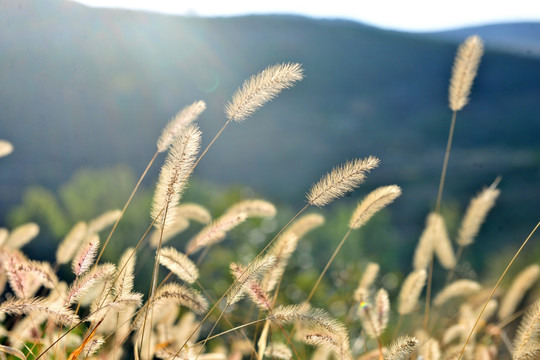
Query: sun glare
413	15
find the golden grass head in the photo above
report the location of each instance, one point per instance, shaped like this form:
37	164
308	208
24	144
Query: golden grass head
401	349
340	181
22	235
464	71
174	175
521	284
261	88
476	213
5	148
179	264
184	118
411	290
372	203
458	288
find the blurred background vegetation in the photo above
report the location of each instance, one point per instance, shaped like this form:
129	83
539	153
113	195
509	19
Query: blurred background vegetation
84	94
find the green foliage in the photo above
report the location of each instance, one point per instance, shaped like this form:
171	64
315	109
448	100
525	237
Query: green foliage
41	206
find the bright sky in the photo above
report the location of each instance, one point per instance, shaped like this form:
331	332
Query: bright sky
409	15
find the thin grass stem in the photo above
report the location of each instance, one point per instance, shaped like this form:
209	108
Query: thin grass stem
495	289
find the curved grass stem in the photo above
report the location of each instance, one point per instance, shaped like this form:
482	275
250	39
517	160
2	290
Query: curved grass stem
495	289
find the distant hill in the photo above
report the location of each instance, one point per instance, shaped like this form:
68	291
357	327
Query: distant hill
83	87
518	38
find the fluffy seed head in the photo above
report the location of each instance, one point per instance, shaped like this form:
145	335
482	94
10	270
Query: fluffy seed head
59	314
368	278
476	214
373	202
246	276
282	249
103	221
442	245
5	148
521	284
67	248
464	71
410	291
340	181
528	334
181	120
401	349
194	212
123	283
254	208
261	88
179	225
181	295
278	351
85	257
216	231
179	264
174	174
22	235
306	223
462	287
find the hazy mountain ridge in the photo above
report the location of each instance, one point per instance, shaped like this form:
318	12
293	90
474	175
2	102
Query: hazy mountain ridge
87	87
518	38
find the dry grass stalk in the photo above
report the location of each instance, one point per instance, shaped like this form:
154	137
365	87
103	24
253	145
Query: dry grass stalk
181	120
85	256
401	349
341	180
179	264
215	232
261	88
71	243
521	284
6	148
411	290
173	176
372	203
458	288
464	71
476	213
527	340
22	235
